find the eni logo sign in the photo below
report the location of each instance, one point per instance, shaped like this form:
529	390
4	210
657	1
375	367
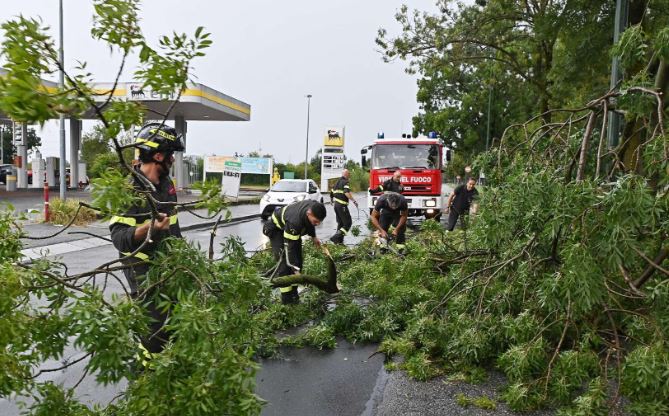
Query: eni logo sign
137	92
334	137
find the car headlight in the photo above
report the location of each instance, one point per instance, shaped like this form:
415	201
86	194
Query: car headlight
431	203
299	198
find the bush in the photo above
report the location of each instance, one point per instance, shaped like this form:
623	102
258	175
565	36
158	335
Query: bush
62	212
359	180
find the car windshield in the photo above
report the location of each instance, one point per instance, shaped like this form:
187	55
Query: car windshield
405	156
289	186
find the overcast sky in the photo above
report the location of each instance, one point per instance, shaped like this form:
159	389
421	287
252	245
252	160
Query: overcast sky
269	54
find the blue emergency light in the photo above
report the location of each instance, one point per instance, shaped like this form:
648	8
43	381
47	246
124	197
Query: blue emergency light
380	135
432	135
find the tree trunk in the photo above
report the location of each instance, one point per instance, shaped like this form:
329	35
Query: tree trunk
328	285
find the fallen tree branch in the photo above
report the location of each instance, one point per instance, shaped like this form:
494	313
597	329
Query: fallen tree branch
328	285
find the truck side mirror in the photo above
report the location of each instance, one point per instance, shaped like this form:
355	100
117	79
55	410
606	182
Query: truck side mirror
448	155
363	161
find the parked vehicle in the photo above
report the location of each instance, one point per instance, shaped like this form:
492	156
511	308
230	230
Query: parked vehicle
4	171
287	191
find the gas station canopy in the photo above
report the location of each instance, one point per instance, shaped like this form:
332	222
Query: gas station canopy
197	102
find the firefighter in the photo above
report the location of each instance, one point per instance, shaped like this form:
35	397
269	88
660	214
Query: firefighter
391	208
285	229
156	143
342	195
394	184
460	201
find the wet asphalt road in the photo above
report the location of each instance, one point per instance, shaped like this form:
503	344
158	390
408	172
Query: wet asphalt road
343	380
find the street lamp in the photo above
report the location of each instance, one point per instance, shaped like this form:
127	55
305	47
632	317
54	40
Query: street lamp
61	84
306	155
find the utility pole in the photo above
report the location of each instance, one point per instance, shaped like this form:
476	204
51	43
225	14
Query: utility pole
620	24
2	143
487	134
306	156
61	85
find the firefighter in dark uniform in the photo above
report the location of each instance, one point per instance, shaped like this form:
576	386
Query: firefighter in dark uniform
157	144
394	184
285	229
391	208
342	195
460	201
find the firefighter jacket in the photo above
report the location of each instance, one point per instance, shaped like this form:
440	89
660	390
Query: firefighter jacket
123	227
292	220
389	186
340	189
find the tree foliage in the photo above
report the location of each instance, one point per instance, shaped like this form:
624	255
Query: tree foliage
525	57
45	309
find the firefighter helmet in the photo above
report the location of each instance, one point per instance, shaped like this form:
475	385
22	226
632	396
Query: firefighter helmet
157	137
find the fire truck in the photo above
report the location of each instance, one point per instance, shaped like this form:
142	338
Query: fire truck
420	161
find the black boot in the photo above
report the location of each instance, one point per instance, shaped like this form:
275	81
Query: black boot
337	238
290	298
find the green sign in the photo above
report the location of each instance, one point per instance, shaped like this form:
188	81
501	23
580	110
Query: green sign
288	175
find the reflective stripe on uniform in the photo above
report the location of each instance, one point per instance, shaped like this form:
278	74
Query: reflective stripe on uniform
139	255
400	246
123	220
147	142
343	230
276	221
290	236
287	289
173	219
341	201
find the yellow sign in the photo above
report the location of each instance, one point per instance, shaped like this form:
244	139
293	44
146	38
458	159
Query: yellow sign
334	137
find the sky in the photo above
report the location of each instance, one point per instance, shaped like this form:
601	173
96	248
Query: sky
269	54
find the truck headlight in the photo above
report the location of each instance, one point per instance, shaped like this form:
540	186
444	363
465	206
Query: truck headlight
431	203
300	197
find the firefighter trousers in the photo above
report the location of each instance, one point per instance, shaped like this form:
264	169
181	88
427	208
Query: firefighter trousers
154	342
275	235
387	218
344	221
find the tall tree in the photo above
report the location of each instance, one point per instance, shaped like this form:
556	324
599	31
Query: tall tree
526	55
8	148
94	143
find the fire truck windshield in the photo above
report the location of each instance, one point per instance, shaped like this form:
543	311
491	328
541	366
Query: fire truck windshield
405	156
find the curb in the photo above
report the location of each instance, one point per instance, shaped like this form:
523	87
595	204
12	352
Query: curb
190	227
212	222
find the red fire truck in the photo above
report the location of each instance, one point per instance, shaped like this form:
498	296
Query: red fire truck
420	162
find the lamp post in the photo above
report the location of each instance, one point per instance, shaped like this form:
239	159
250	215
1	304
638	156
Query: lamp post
620	24
2	143
306	155
61	84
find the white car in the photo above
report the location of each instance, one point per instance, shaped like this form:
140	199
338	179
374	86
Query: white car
287	191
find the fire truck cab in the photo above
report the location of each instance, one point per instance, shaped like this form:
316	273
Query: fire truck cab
420	162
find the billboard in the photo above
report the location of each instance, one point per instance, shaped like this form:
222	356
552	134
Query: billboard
216	163
334	137
258	165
